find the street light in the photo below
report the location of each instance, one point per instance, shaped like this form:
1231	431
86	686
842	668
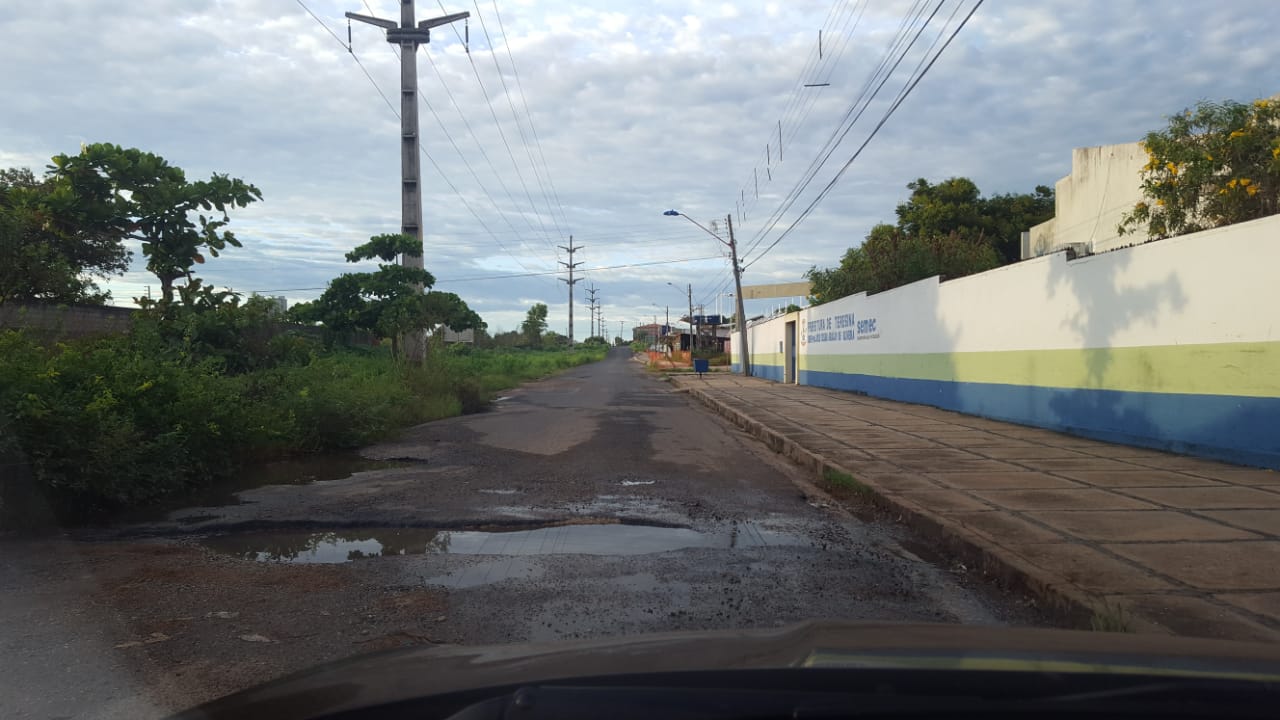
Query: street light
732	244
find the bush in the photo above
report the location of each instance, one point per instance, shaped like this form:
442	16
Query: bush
101	425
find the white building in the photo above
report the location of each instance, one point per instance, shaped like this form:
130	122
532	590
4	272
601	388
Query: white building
1104	184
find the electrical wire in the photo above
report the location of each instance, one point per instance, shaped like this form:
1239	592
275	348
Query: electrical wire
467	163
524	139
503	135
832	144
396	112
510	276
889	113
533	128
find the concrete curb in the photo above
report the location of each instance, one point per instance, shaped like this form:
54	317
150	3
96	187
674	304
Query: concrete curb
1063	601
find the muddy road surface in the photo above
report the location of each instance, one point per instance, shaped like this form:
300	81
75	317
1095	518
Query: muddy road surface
595	503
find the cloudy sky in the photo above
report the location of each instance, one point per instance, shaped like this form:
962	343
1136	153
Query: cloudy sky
591	118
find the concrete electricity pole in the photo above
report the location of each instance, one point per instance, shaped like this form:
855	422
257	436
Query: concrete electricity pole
693	338
570	265
740	319
409	35
591	291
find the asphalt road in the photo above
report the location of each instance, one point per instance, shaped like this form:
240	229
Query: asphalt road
596	503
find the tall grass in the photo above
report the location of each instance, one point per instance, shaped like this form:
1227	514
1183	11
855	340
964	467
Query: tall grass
121	422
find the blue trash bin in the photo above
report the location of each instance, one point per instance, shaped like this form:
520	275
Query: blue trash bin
701	365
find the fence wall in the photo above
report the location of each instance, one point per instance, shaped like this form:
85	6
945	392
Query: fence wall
1173	344
64	322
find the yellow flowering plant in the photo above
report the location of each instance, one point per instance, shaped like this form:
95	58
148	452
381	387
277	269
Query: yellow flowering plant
1215	164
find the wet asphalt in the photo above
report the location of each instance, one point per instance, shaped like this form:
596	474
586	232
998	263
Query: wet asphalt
598	502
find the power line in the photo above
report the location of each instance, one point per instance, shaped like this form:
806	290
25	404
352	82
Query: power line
838	136
898	102
515	116
834	139
502	134
802	100
508	276
423	99
525	102
395	112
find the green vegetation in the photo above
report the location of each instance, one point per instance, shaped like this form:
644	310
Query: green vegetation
120	422
47	255
946	229
1214	165
843	481
204	381
387	303
1111	618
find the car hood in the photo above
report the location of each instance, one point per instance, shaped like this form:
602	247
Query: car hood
399	675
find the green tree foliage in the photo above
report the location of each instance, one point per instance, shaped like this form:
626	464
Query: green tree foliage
132	194
956	206
53	243
945	229
388	302
534	325
890	258
1214	165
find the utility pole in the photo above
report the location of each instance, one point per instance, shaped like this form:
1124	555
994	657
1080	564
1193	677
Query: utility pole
740	322
591	293
693	337
409	35
571	265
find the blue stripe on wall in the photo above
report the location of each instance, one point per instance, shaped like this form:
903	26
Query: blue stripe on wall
1242	430
768	372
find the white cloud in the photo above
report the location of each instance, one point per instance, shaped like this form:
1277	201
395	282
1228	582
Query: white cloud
637	108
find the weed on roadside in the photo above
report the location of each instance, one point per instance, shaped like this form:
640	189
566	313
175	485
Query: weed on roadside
839	480
1111	618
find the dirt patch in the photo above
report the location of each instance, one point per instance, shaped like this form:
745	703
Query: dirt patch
221	624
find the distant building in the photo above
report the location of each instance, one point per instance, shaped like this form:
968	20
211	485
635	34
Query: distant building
1104	184
467	337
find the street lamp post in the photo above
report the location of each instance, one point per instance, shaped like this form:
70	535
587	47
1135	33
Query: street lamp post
740	322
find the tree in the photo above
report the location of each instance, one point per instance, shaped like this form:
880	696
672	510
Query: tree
890	258
947	229
952	205
955	206
52	243
389	302
1212	166
535	323
137	195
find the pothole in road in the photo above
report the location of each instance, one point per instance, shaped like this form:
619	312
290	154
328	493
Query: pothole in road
340	546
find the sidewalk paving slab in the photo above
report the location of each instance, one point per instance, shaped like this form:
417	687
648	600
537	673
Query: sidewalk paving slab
1165	543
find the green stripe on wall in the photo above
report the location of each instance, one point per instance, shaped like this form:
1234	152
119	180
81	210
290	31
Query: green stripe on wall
1244	369
766	358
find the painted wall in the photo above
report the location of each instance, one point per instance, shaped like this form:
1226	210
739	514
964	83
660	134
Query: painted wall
1104	184
64	322
1172	344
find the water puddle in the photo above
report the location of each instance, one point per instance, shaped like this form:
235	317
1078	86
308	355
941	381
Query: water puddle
341	546
631	483
486	573
499	491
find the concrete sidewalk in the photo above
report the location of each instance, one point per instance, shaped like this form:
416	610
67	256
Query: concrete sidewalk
1110	533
